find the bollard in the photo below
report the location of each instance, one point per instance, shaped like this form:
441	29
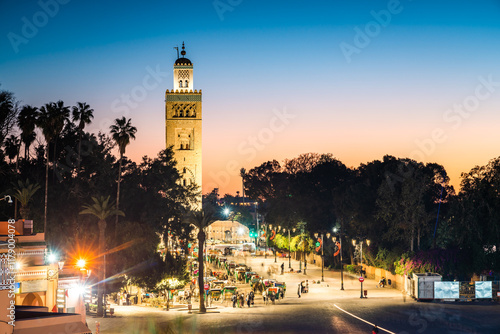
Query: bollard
97	327
365	293
190	307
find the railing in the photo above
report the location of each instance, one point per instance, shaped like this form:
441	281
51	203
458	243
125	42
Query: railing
42	272
31	253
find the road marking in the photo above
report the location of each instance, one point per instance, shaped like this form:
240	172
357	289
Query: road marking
369	323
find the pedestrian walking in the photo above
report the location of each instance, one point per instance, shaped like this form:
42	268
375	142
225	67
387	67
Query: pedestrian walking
249	300
375	330
234	299
242	300
264	295
299	290
282	268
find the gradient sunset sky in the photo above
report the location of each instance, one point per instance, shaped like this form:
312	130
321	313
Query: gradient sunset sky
358	79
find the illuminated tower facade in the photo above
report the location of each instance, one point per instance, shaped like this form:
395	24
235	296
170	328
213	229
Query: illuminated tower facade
183	121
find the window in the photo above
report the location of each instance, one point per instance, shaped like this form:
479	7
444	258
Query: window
180	83
187	85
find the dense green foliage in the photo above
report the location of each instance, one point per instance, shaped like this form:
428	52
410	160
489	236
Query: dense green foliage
408	210
46	144
394	203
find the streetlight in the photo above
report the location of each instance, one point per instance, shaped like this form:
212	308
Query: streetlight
7	198
257	221
322	254
265	233
361	258
270	229
279	227
84	274
290	249
334	239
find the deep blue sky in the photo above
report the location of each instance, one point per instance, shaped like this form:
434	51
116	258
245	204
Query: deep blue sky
272	55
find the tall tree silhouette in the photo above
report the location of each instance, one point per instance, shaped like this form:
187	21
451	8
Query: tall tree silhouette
83	114
26	121
122	131
51	120
102	209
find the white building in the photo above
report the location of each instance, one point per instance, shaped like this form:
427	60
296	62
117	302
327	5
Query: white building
228	231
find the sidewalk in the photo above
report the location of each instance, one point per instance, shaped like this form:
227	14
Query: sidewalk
128	317
331	283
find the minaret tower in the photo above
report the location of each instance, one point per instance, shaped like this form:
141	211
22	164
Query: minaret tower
183	121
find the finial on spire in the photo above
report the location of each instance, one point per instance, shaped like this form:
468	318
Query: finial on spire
183	52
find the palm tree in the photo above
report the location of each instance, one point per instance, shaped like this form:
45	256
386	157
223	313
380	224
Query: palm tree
242	174
51	119
23	192
82	114
8	113
26	121
12	145
122	132
201	219
102	209
60	117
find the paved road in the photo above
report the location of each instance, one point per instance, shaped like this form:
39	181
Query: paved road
326	309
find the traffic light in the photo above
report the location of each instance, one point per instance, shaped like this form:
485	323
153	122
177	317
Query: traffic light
318	245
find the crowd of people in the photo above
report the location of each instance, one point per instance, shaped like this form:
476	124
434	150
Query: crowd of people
239	299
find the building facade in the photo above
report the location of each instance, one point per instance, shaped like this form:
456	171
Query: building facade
227	231
183	117
36	280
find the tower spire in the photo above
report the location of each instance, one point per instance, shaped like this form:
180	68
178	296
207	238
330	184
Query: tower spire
183	52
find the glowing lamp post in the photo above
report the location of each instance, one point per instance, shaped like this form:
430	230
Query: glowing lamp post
84	274
361	260
290	249
270	229
7	198
322	254
334	239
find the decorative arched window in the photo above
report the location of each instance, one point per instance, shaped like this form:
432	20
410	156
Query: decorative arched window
187	84
180	83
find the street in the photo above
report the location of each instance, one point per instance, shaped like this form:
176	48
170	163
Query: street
325	309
